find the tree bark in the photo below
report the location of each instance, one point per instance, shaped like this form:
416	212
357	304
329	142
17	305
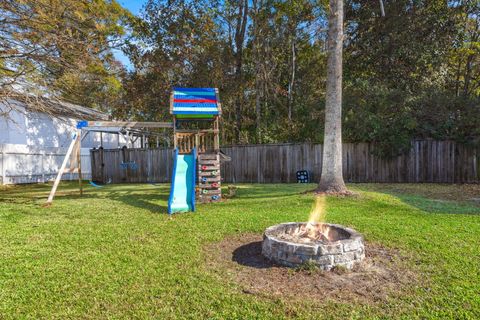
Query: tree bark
331	180
257	6
382	8
468	75
291	83
239	42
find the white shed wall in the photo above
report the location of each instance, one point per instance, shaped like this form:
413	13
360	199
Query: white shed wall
33	145
42	130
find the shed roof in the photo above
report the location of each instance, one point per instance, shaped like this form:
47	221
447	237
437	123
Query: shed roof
195	103
57	108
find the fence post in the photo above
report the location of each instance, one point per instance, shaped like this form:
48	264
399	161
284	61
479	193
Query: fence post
4	171
42	155
476	164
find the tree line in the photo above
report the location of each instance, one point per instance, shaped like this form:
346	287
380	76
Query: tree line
412	72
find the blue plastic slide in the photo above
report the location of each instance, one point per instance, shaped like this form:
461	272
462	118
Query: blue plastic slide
182	191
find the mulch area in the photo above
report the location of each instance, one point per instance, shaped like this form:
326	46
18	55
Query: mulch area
379	276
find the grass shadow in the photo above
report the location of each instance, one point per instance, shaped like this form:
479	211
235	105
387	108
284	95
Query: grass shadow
142	196
152	198
440	199
438	205
260	191
250	255
143	201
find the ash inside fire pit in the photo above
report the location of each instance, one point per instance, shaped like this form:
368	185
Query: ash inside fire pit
323	244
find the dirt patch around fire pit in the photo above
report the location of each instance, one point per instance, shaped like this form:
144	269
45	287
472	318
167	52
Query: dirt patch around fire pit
379	276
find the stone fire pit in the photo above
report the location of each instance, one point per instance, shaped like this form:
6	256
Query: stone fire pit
326	245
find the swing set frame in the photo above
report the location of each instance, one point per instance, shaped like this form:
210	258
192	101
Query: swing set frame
131	128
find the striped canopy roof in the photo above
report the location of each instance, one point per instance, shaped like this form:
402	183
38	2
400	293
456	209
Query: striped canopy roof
195	103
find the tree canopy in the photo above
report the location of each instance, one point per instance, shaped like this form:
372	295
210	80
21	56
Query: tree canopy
412	73
62	48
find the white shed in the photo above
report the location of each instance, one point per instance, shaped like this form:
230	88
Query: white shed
34	139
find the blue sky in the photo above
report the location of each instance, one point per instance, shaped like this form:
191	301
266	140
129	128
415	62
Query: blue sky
135	7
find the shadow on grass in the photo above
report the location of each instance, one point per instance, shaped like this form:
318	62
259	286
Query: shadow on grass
250	255
143	196
267	191
425	203
142	199
438	205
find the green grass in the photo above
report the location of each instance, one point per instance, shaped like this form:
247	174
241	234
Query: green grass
114	253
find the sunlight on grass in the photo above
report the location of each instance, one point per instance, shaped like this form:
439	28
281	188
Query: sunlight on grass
115	253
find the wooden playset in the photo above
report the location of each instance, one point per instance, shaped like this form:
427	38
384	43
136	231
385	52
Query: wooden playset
196	174
196	114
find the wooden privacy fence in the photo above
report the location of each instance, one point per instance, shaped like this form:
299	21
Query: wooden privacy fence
427	161
131	165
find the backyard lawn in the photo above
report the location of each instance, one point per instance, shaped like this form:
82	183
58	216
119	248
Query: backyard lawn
115	253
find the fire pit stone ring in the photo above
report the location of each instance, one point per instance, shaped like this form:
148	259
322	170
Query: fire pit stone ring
330	245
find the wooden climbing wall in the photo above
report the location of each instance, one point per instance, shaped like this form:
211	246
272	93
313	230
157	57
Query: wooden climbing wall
209	178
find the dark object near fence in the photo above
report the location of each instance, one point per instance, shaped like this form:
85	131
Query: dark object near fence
303	176
232	191
426	161
126	165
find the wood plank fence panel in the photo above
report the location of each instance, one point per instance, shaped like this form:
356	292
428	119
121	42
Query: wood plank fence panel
426	161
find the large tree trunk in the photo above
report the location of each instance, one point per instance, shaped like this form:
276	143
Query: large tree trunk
291	83
257	6
240	30
331	180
